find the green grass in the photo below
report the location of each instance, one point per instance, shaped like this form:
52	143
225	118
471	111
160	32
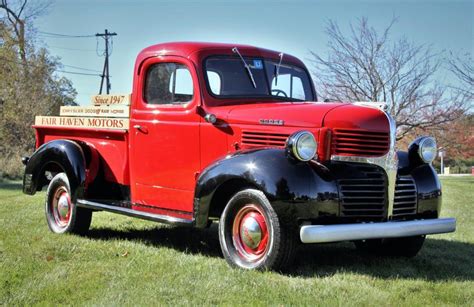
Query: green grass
129	261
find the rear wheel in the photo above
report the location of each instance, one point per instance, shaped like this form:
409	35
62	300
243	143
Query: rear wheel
395	247
252	236
62	215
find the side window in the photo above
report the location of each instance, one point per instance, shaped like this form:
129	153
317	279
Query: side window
168	83
214	82
298	89
288	85
282	85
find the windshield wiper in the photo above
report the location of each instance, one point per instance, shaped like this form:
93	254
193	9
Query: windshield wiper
277	68
247	67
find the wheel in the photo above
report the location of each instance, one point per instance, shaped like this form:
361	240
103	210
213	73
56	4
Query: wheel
62	215
252	236
396	247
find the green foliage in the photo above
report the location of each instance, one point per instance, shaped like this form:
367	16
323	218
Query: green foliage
461	166
26	90
456	166
126	261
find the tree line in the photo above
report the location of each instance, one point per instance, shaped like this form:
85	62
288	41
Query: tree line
29	84
362	64
368	64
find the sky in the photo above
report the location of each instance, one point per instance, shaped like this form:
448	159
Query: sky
293	27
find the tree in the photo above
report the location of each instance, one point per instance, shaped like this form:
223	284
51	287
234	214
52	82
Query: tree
457	138
462	68
29	86
368	66
19	14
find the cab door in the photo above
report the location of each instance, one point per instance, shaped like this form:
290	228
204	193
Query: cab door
164	135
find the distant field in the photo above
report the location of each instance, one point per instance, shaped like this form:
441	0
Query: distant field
133	262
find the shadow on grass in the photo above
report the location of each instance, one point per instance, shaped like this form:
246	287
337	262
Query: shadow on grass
439	259
185	239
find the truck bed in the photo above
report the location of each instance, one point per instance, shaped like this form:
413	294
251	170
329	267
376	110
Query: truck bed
111	145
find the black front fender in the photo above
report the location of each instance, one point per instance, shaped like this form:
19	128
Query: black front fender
428	186
65	155
302	189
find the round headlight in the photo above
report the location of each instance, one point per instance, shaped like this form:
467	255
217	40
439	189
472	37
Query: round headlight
302	145
427	149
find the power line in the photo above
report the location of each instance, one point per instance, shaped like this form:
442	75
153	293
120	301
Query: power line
107	36
81	68
64	35
78	73
42	36
108	48
56	70
71	49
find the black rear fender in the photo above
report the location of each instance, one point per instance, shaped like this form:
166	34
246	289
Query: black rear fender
54	157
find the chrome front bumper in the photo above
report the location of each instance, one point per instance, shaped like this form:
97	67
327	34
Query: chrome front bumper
365	231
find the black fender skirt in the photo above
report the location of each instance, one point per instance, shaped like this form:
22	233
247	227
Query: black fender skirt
67	156
296	189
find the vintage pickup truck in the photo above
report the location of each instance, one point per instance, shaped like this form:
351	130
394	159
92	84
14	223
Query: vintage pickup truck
234	134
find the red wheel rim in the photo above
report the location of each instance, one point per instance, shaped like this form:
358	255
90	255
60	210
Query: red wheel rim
250	233
61	207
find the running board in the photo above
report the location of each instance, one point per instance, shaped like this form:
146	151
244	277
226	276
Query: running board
133	213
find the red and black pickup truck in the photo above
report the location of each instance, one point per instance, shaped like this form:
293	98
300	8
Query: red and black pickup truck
233	133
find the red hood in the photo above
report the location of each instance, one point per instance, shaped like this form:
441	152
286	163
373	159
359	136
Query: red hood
339	117
357	117
294	114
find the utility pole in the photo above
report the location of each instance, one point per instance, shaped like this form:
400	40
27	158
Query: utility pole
105	72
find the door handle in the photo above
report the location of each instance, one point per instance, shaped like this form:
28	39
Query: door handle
141	128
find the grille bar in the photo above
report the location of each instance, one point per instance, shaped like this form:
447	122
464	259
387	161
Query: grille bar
365	196
360	142
251	139
405	203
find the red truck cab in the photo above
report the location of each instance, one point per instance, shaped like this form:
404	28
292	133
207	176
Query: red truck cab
235	134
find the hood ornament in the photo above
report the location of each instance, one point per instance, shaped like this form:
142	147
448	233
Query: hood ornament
274	122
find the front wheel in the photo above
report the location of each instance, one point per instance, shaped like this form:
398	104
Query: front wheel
62	215
396	247
252	236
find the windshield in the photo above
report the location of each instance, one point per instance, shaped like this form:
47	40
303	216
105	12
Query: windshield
247	77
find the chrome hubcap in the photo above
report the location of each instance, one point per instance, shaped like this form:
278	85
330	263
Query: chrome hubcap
250	232
63	206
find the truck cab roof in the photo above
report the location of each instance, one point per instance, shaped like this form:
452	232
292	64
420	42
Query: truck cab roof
188	49
197	54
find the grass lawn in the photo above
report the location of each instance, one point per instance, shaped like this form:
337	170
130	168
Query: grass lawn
129	261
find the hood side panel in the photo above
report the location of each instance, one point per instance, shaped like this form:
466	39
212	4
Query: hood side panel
293	114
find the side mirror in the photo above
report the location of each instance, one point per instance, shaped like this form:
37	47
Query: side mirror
208	117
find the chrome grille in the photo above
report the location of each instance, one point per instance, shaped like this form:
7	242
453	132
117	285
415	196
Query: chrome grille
353	142
405	203
252	139
366	195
